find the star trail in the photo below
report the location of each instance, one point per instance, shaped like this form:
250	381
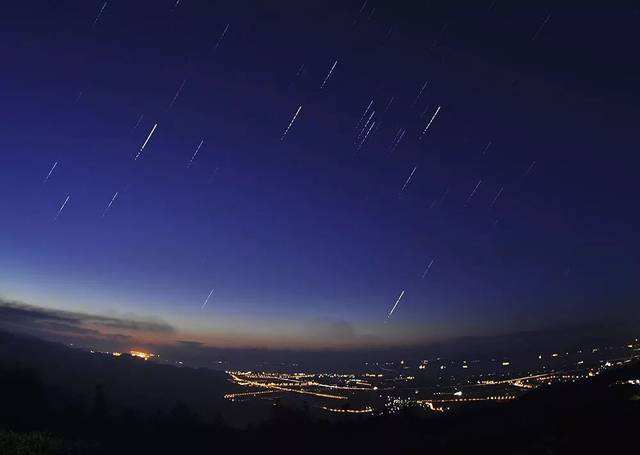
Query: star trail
312	160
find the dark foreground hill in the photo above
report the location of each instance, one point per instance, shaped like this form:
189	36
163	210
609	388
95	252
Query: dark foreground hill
58	400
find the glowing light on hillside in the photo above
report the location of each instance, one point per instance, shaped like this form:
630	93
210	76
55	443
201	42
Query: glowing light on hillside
142	355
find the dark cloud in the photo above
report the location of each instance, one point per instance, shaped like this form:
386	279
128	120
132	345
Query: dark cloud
338	332
129	324
191	344
68	326
15	312
69	329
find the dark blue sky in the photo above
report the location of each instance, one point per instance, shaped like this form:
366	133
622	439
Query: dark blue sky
308	242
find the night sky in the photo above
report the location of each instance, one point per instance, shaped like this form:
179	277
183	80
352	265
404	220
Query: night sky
479	156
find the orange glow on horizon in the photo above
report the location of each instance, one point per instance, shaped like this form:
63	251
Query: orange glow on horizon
142	355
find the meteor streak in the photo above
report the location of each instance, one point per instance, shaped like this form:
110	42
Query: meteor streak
474	191
50	172
177	94
62	207
531	166
399	135
138	122
95	21
396	304
430	121
196	152
428	268
364	114
224	32
444	196
329	74
291	123
409	179
206	300
388	105
366	135
495	199
420	92
110	204
147	140
486	147
365	125
541	27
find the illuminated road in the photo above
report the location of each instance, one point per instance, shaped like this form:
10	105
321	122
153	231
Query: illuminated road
245	382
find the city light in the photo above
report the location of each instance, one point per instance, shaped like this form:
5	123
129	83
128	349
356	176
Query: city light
142	355
348	411
397	388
